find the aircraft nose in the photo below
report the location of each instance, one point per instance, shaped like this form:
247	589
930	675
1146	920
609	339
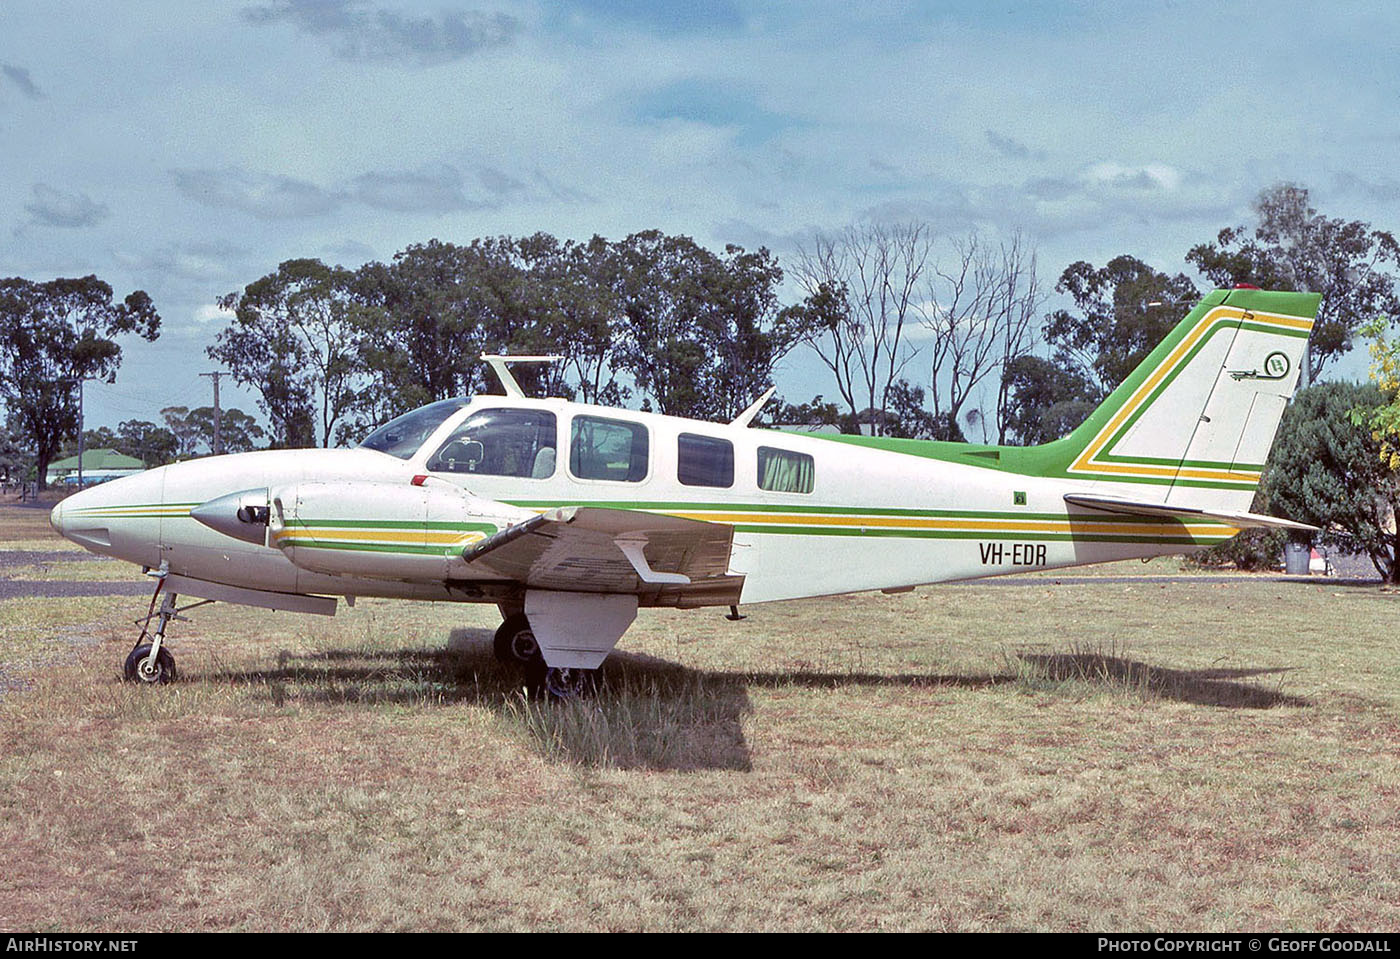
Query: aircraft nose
118	518
71	518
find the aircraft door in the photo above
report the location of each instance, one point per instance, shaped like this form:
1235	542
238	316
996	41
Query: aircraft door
516	443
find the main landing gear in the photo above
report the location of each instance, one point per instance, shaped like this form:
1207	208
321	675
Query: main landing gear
149	661
515	642
515	645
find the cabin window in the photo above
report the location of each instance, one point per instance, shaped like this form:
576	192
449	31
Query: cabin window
607	449
516	443
784	472
704	461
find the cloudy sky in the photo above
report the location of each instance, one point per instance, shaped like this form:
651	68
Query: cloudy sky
187	148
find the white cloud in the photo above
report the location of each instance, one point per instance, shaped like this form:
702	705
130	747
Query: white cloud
211	314
1153	176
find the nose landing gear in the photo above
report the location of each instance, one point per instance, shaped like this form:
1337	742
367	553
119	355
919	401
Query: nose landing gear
150	662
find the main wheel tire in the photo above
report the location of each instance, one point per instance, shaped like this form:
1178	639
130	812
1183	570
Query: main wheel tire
515	642
563	684
137	670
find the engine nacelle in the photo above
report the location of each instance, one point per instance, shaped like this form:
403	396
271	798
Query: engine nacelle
384	530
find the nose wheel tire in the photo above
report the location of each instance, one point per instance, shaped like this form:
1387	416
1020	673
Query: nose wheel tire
515	642
139	669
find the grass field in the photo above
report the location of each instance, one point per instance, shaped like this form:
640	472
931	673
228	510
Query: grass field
1213	755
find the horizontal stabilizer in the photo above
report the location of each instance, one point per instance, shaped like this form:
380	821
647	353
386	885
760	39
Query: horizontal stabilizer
1111	504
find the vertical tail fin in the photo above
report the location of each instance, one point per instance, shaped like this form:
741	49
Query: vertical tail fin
1194	422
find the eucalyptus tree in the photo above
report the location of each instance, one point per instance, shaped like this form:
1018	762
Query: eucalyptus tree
192	431
430	314
292	340
54	335
980	307
698	333
1122	310
1293	247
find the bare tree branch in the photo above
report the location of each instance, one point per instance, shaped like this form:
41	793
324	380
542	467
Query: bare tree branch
877	269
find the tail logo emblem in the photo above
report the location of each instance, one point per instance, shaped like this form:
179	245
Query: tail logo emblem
1276	367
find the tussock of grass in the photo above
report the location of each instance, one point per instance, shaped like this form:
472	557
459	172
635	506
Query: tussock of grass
641	721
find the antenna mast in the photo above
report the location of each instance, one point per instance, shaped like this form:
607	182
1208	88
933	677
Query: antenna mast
498	362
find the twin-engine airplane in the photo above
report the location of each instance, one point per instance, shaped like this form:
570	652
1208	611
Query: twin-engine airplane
569	517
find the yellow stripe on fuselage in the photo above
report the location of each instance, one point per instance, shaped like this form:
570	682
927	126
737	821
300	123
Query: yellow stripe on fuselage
416	537
1066	526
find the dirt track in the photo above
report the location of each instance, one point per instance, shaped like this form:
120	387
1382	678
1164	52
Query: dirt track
61	588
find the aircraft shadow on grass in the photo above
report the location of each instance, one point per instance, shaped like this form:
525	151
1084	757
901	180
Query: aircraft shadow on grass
654	714
1201	687
1356	583
649	714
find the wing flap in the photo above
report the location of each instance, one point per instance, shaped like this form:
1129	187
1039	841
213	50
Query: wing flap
1111	504
600	549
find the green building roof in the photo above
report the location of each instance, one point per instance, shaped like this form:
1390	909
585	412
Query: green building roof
99	460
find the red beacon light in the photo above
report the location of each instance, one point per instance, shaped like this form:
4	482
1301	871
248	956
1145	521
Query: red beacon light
1245	286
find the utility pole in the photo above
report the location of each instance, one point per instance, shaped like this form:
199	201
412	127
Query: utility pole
81	444
218	415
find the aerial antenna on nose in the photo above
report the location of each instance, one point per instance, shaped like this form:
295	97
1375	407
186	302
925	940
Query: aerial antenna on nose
498	361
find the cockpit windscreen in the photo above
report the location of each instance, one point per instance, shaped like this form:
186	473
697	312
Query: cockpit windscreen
403	435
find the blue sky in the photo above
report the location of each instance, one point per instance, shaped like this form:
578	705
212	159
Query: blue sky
186	149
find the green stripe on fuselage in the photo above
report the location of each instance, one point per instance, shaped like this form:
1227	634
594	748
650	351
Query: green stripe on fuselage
855	511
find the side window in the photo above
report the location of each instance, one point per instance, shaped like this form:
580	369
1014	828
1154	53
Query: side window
704	461
500	443
605	449
785	472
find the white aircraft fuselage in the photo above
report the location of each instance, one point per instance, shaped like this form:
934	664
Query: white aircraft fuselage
874	519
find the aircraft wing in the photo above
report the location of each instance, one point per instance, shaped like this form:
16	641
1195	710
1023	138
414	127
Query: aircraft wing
1112	504
605	550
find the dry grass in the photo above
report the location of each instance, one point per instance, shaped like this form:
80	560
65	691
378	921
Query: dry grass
1094	756
28	529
